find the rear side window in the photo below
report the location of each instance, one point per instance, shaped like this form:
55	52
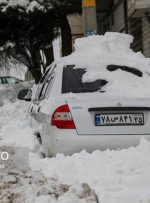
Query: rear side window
45	84
72	81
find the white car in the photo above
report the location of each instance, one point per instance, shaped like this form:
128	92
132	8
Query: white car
96	98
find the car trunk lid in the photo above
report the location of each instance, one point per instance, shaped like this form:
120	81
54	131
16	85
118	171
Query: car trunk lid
95	115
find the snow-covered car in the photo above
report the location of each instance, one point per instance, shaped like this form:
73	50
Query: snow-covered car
96	98
9	80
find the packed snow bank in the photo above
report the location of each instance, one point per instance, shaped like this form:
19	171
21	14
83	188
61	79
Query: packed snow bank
120	176
14	125
34	187
96	53
29	185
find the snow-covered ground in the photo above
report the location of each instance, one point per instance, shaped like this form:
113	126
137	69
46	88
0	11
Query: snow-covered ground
120	176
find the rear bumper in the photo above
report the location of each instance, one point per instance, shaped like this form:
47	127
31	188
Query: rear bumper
68	141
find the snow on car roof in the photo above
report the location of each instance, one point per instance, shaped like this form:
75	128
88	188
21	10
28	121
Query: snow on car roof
96	53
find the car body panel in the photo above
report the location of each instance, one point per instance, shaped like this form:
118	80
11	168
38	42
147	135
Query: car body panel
80	110
69	142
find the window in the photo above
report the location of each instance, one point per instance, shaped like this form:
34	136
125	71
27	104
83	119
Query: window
45	84
10	80
46	87
72	81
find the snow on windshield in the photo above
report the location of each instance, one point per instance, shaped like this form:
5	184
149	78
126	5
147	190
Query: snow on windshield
96	53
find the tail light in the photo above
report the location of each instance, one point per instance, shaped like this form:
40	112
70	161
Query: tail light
62	118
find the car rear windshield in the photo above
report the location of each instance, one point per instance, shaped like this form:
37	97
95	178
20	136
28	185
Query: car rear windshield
72	81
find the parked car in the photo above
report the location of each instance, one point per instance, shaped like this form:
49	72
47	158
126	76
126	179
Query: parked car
9	80
93	101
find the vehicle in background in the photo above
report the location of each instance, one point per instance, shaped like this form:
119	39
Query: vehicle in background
9	80
11	86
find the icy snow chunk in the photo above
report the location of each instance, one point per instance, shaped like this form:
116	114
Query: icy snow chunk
38	178
83	191
110	42
118	41
97	42
10	179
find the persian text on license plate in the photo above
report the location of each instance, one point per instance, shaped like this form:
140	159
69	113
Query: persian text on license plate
119	119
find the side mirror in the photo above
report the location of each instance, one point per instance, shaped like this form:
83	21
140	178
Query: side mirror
25	94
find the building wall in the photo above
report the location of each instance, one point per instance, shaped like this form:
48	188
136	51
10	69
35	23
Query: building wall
146	36
135	29
138	9
118	19
139	25
76	25
115	21
139	3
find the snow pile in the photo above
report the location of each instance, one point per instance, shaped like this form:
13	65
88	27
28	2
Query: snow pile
96	53
116	176
119	42
33	187
108	43
14	125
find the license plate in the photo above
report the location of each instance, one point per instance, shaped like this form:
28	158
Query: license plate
119	119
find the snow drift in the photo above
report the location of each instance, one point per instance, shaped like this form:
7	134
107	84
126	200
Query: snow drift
96	53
